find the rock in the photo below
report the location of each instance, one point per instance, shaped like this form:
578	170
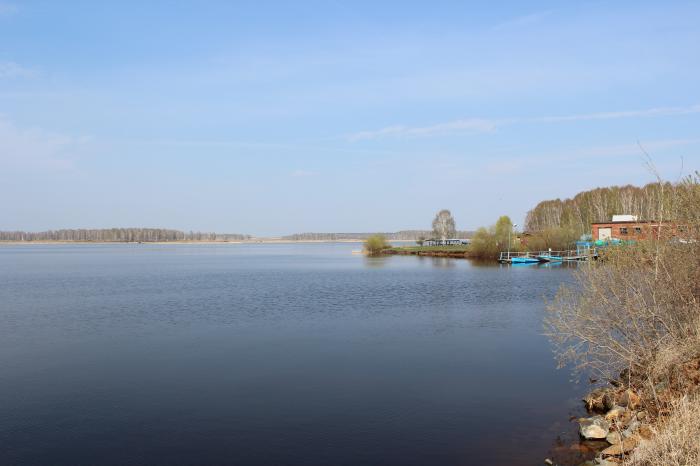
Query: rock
609	400
629	399
614	413
595	427
631	428
604	462
595	401
624	447
614	438
625	419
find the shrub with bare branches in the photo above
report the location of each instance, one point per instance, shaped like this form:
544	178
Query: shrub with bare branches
637	303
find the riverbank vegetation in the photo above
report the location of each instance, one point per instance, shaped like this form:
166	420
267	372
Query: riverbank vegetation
632	322
454	251
557	239
487	243
376	245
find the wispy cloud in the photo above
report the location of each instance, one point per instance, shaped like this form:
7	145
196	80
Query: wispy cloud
36	148
649	112
302	173
7	8
9	69
475	125
621	153
483	125
523	20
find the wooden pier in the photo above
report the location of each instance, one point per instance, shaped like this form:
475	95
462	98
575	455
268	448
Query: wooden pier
533	257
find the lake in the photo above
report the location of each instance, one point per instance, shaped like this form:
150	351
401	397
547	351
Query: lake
283	354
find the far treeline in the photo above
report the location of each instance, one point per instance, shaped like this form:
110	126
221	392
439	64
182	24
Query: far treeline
122	235
599	205
404	235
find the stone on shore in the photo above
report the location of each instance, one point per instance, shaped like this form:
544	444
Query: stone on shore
614	413
631	428
614	438
595	427
595	401
629	399
624	447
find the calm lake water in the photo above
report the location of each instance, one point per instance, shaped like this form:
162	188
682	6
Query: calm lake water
274	354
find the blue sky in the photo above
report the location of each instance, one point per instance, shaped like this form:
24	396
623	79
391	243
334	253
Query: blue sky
278	117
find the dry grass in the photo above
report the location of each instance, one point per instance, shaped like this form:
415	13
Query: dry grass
677	440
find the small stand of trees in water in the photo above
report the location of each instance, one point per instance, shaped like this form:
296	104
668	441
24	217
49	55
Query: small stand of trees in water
487	243
376	245
121	235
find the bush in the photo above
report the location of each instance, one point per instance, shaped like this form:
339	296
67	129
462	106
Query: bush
484	245
624	307
375	245
488	243
558	239
637	309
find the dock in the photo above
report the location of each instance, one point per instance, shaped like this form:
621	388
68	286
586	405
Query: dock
534	257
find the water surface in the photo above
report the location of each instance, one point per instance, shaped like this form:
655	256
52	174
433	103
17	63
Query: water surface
273	354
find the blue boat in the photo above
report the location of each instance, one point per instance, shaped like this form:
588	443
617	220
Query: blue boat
524	260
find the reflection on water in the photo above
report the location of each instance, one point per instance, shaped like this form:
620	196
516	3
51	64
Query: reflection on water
376	261
273	354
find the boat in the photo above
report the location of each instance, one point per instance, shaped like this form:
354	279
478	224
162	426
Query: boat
549	258
524	260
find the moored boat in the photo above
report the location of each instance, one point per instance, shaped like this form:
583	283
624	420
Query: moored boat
524	260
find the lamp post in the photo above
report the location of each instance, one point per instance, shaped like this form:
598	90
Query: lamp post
509	230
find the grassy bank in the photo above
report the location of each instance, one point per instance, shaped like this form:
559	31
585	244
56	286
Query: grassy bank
456	251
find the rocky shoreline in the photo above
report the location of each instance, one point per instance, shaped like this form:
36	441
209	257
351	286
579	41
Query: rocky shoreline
616	424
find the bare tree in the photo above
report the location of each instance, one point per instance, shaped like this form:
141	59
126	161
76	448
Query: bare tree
444	225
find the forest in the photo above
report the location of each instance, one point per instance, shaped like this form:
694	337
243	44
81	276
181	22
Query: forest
599	205
119	235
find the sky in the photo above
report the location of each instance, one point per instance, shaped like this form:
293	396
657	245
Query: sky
271	118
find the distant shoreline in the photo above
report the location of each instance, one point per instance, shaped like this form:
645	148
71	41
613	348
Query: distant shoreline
251	241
